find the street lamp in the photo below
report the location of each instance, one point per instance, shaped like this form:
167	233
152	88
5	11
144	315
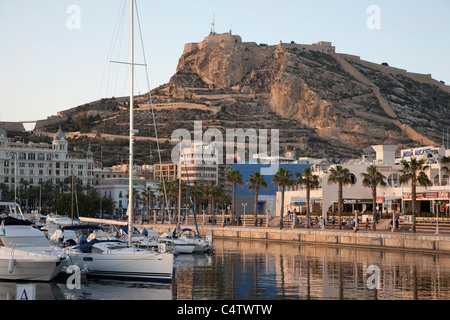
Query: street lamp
437	217
267	218
244	205
223	217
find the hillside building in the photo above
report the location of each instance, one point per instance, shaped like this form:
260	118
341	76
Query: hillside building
34	163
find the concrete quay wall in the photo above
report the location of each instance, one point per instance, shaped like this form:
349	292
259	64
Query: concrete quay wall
431	243
372	240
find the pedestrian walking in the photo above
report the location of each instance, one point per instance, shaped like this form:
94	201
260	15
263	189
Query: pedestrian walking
333	220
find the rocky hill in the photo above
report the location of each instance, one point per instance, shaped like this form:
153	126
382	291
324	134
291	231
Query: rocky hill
323	103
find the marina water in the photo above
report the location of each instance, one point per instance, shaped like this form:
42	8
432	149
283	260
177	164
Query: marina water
260	270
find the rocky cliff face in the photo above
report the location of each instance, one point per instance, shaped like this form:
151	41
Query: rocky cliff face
324	104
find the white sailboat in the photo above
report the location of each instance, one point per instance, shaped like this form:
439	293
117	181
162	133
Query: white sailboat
26	254
112	258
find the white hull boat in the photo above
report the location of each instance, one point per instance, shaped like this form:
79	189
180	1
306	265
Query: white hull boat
190	237
26	254
106	257
179	246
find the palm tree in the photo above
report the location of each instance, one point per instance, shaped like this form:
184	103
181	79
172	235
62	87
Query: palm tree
197	192
282	179
414	172
149	198
341	176
162	199
310	181
136	202
372	179
234	177
212	191
256	181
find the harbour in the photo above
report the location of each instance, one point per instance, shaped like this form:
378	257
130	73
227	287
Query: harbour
272	270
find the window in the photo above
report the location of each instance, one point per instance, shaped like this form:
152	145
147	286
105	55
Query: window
353	179
392	180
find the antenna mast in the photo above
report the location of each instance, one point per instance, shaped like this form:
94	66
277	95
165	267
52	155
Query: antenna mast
213	25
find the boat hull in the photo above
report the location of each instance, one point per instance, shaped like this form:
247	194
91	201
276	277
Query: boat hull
147	266
30	269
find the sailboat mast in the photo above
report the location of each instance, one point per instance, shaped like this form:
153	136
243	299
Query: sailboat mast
130	181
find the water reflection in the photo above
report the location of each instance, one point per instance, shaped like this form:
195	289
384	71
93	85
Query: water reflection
268	271
257	270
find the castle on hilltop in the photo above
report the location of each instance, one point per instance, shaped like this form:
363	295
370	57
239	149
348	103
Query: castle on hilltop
228	39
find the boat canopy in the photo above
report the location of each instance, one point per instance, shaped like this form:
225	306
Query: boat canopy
81	227
11	221
86	246
125	229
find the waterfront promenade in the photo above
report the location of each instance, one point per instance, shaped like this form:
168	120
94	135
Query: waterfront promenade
421	241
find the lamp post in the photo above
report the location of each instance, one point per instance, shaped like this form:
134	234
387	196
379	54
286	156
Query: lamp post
244	205
437	217
223	216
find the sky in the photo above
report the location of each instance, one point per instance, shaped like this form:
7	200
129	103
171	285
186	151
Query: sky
55	54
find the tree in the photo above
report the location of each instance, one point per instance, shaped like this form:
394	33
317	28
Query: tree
341	176
149	198
234	177
136	202
282	179
414	172
197	192
372	179
212	191
310	181
256	182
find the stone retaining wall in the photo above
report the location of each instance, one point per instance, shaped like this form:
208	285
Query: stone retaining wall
376	240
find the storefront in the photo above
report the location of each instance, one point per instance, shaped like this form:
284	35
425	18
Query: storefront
391	204
298	204
432	201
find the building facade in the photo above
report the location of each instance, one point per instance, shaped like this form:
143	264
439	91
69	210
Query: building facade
392	198
35	163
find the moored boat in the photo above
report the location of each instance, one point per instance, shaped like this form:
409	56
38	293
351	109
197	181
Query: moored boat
104	256
26	254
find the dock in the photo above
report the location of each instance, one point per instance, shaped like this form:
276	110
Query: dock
421	241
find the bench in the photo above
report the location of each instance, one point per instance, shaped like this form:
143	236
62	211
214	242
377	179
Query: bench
404	228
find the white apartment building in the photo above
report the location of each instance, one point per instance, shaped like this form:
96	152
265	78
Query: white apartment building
393	197
40	162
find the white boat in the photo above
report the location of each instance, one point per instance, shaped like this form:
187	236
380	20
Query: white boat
191	237
11	209
26	254
144	240
58	220
104	256
179	246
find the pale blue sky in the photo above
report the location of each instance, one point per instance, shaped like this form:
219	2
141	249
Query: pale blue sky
47	67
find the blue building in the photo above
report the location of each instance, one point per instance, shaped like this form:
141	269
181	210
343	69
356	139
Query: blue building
266	197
